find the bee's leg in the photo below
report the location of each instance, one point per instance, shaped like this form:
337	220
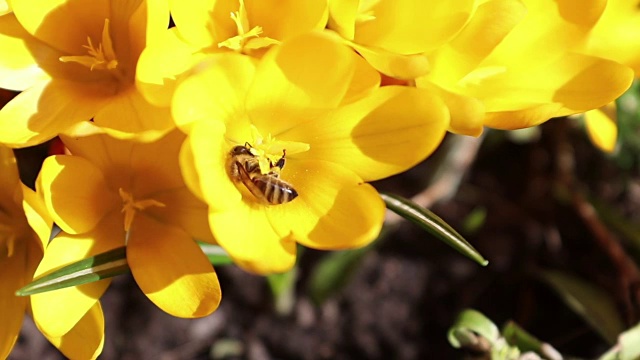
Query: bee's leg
280	162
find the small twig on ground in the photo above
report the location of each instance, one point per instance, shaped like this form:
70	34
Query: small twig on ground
629	274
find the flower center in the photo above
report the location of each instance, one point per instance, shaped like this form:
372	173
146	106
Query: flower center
248	38
130	207
268	150
102	57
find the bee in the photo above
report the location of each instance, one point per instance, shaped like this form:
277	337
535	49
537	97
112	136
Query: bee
244	167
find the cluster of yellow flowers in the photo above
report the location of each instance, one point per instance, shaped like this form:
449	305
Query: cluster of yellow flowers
256	125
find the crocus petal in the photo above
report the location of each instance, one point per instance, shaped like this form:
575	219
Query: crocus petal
76	209
51	310
491	23
86	339
332	200
203	164
182	210
247	235
18	68
147	22
381	135
215	91
300	79
37	215
47	109
205	22
575	83
602	127
548	30
616	36
128	115
392	64
342	17
171	269
48	20
4	7
160	66
293	17
424	26
466	113
141	168
16	272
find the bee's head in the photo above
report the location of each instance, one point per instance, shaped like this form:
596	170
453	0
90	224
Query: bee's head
240	150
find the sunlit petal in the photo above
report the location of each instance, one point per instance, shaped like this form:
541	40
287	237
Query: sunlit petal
424	25
129	115
574	83
86	339
171	269
393	64
360	136
299	80
247	235
160	66
51	310
204	167
602	127
47	109
18	68
334	209
76	209
215	91
48	20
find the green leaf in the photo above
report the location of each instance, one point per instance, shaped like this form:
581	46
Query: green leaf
282	287
627	348
215	254
469	323
518	337
474	221
433	224
590	302
102	266
333	272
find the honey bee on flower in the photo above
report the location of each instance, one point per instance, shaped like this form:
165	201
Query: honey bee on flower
244	167
315	104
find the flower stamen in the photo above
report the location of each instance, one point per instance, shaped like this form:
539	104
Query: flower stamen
102	57
130	207
268	149
246	39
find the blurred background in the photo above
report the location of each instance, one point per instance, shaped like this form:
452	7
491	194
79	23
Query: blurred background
557	219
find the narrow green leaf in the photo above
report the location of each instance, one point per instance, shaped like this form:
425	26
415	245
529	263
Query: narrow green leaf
433	224
333	272
469	323
102	266
593	304
518	337
282	287
215	254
